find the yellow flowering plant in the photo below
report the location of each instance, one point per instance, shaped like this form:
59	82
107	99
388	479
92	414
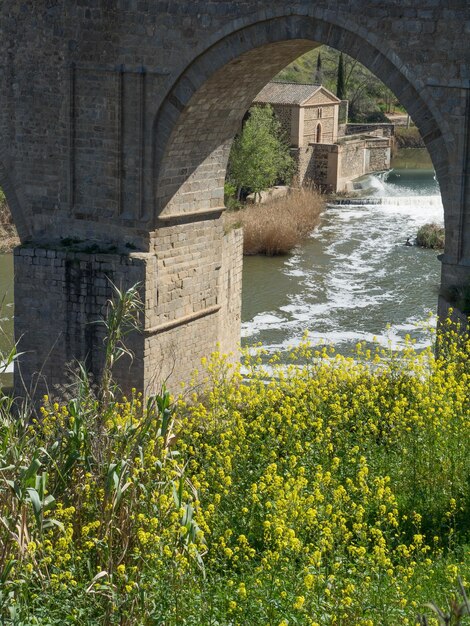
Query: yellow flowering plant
331	490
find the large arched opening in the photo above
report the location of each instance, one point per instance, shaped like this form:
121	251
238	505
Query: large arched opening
204	109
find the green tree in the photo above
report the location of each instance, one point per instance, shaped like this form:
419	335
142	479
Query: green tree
340	84
260	156
318	78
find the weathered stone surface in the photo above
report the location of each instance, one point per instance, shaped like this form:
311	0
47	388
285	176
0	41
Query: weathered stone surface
116	120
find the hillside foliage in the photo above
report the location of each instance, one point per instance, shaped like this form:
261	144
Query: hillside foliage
365	92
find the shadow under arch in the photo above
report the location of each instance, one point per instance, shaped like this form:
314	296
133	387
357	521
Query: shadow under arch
13	202
204	109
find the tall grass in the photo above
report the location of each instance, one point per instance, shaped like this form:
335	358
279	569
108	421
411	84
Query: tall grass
276	227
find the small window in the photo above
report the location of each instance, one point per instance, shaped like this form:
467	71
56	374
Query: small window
318	133
319	113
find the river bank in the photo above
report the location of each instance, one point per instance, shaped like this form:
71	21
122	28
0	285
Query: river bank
406	138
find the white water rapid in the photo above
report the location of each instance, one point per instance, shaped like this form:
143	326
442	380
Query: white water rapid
354	279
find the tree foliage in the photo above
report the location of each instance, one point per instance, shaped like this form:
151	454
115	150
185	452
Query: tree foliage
340	85
318	77
260	156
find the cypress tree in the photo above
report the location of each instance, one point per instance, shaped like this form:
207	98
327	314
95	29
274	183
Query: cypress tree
318	78
340	86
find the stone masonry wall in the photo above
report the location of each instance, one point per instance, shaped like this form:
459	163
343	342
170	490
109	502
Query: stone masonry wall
327	122
59	297
192	301
188	258
231	290
332	166
313	164
379	155
351	160
191	291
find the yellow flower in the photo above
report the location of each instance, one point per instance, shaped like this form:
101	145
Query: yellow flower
299	602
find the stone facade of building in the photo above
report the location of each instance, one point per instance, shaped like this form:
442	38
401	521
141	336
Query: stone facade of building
328	154
308	113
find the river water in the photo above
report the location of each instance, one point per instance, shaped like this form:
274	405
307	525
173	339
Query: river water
353	279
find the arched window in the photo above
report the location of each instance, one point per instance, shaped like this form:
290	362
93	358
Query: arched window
318	133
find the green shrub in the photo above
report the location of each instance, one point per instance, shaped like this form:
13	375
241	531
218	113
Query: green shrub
377	117
230	196
260	156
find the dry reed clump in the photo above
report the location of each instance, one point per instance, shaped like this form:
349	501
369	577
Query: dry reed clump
431	236
276	227
8	235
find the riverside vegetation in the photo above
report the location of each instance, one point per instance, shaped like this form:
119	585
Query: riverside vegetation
332	490
431	236
8	235
277	226
260	157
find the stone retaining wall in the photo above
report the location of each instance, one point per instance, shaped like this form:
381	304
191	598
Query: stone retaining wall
383	129
332	166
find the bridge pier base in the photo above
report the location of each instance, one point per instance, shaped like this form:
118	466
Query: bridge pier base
61	294
454	293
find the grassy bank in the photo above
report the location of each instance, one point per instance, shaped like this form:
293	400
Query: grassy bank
8	235
337	493
276	227
408	137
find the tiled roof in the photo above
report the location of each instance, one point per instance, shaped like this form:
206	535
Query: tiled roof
287	93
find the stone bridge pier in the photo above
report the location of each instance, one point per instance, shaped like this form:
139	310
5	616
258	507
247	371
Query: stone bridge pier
116	121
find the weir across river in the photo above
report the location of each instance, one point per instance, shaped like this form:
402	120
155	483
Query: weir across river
116	120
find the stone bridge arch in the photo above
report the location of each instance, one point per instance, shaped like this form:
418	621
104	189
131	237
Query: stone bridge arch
119	118
204	109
